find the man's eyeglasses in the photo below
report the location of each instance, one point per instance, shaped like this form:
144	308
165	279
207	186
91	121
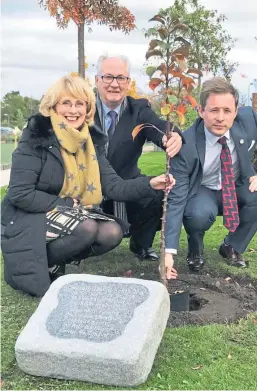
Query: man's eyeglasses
108	79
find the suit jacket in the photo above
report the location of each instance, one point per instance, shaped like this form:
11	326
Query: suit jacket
187	166
123	153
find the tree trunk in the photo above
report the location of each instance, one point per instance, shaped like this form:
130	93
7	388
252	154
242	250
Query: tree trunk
162	247
81	50
199	77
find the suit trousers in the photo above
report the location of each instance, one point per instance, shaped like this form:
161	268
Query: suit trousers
201	211
144	216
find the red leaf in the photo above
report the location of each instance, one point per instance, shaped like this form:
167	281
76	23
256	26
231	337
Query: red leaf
180	26
157	18
182	51
163	68
127	273
189	88
152	53
181	118
153	44
196	71
137	130
163	33
191	100
187	80
182	109
154	82
176	74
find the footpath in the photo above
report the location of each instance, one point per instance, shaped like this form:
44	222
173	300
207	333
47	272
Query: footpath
5	177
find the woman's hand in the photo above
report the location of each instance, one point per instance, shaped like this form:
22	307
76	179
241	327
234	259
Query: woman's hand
76	203
171	273
253	183
159	182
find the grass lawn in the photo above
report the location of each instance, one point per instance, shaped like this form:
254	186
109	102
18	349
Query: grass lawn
6	153
226	354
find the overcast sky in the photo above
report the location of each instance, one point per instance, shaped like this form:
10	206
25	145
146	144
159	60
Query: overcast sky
35	53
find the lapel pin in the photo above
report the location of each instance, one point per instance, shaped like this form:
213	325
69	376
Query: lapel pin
242	141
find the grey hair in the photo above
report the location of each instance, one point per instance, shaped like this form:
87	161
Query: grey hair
105	57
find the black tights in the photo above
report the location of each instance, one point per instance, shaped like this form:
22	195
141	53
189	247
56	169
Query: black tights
90	237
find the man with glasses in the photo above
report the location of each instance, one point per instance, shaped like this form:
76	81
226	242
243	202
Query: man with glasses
117	115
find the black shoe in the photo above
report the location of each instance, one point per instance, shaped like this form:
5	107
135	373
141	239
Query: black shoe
195	262
57	271
234	258
151	254
141	253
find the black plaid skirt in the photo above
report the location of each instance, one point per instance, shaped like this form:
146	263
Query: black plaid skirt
63	220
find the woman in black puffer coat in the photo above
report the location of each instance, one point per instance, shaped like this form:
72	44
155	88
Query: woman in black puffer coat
36	187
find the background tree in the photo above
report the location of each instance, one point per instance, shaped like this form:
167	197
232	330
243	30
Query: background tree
226	69
85	12
15	109
132	91
168	45
137	93
209	41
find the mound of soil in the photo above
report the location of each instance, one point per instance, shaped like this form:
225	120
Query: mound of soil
215	300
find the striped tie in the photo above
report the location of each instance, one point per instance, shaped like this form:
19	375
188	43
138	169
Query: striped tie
229	196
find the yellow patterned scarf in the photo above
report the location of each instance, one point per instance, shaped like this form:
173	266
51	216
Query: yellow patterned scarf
82	177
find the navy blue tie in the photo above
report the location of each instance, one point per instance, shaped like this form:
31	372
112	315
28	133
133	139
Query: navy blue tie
113	115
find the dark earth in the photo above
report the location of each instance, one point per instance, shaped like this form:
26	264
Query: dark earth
214	298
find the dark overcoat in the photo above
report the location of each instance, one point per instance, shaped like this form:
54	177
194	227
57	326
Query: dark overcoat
124	152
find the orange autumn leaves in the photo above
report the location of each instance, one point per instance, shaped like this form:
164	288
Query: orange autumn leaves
178	108
175	102
138	129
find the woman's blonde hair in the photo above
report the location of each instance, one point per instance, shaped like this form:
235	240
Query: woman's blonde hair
71	85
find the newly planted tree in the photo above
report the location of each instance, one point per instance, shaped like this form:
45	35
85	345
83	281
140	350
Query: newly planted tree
174	81
209	41
85	12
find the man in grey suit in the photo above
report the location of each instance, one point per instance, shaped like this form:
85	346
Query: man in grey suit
214	176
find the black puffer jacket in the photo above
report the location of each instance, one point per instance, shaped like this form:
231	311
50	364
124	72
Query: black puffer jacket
36	180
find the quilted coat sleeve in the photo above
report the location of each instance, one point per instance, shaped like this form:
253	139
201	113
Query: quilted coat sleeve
117	189
22	192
